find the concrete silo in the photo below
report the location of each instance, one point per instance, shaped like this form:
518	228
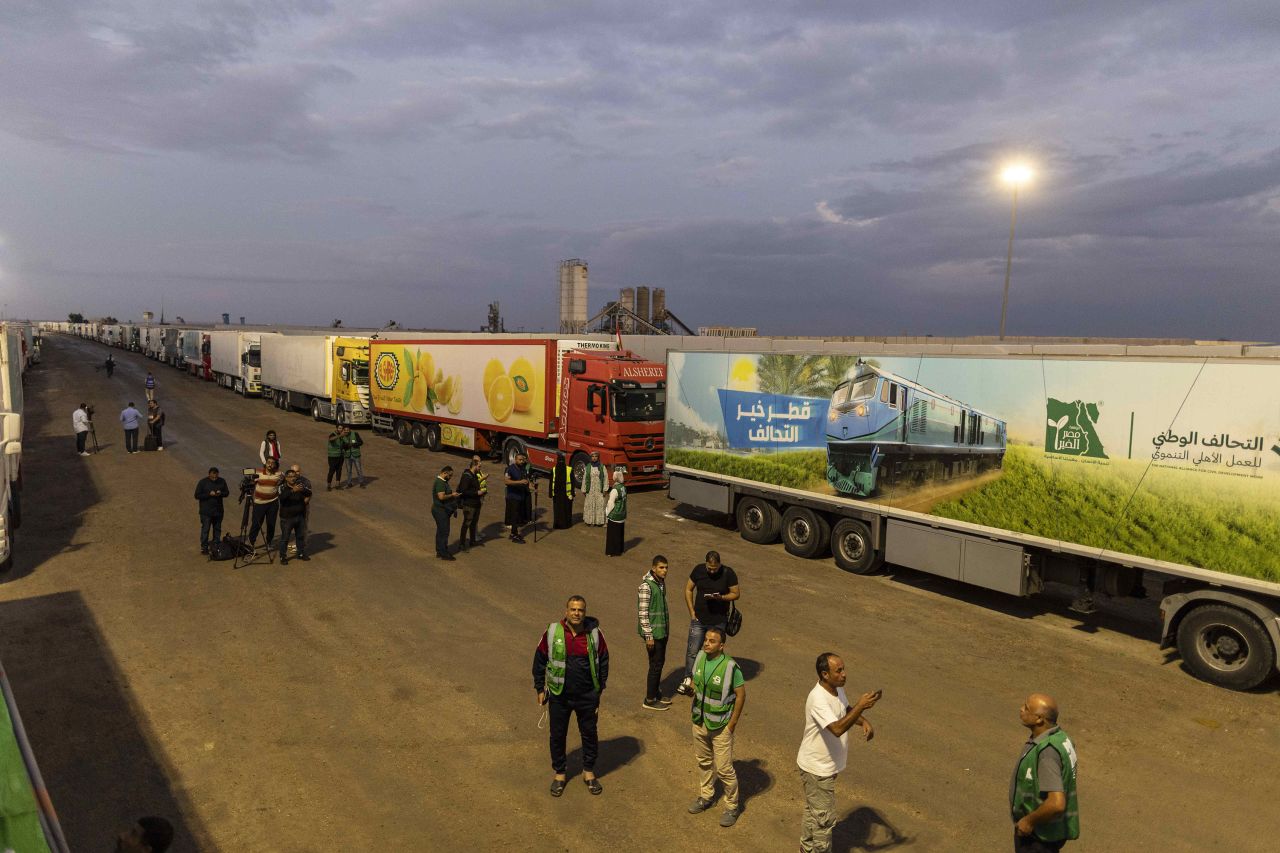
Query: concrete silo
627	299
642	302
573	296
658	310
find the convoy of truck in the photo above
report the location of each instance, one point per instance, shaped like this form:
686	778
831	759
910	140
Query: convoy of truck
1003	467
18	352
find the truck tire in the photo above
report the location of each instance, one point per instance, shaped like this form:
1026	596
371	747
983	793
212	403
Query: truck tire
510	448
805	533
433	438
339	416
403	431
758	520
851	546
1226	646
579	465
315	410
419	433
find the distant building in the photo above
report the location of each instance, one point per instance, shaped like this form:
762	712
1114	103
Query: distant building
727	331
627	299
642	303
573	296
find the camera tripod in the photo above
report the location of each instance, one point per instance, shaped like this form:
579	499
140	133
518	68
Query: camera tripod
248	552
93	434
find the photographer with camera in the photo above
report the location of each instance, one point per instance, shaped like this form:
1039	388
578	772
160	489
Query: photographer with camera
294	496
265	487
444	503
82	422
211	491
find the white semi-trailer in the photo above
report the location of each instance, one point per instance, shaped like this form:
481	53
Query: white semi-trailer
236	359
11	368
1118	470
326	375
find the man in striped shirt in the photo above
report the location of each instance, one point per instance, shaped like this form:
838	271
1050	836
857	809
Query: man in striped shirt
266	501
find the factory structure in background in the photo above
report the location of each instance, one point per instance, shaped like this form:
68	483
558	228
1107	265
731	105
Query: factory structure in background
638	310
573	296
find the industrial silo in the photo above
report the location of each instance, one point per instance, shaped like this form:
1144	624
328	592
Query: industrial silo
573	296
642	302
627	299
658	310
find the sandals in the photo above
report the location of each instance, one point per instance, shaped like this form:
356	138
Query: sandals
594	786
557	787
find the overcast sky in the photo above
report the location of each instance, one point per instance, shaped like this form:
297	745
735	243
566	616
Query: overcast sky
806	167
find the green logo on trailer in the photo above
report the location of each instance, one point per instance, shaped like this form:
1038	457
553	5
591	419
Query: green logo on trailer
1070	429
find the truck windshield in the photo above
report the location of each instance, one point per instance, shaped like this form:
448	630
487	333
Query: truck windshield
645	404
254	358
360	372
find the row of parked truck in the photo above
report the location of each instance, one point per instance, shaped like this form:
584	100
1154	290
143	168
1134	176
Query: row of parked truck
1113	470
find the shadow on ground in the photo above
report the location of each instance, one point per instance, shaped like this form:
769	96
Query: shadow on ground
866	829
753	779
92	743
614	753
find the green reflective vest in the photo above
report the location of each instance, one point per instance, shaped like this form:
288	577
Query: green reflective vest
620	505
556	658
657	609
1026	792
713	695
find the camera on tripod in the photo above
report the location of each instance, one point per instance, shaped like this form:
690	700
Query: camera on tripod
88	411
247	484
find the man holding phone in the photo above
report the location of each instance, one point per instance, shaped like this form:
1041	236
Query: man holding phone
824	748
707	594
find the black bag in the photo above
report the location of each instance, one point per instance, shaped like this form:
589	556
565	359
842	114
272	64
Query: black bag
733	624
149	443
227	548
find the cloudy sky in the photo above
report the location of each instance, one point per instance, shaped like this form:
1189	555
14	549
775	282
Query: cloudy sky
801	166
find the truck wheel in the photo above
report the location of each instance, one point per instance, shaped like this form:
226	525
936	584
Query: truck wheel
511	448
758	520
433	438
340	417
419	433
805	533
579	465
1225	646
851	547
315	410
403	431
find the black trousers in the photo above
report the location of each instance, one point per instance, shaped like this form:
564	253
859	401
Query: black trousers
208	524
295	525
441	517
81	438
587	707
264	513
470	525
158	432
615	538
657	659
1031	844
335	470
131	440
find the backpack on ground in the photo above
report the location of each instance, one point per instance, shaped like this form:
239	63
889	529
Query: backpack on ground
227	548
149	443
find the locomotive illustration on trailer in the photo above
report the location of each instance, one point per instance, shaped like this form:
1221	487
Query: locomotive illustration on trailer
884	430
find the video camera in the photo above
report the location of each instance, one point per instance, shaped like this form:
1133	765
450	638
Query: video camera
247	484
88	411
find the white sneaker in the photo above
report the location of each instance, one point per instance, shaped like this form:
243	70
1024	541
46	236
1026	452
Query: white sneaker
159	448
85	454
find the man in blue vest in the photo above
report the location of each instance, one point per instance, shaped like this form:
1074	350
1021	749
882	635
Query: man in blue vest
719	695
1042	795
570	670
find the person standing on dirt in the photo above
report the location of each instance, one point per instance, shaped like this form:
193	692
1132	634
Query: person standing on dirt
1042	795
570	672
519	497
110	365
266	502
470	498
80	423
443	506
615	511
652	624
560	490
710	588
150	385
824	748
269	449
595	490
293	516
211	491
335	452
351	444
155	423
131	419
719	695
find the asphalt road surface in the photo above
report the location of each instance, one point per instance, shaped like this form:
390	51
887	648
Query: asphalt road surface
378	699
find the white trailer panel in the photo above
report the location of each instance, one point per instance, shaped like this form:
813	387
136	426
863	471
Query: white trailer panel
298	363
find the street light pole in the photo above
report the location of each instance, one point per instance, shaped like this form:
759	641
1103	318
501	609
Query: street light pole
1008	264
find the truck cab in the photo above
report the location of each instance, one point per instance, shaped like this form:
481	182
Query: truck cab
350	365
614	404
251	370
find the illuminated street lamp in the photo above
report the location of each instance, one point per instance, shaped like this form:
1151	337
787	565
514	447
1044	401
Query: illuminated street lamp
1015	175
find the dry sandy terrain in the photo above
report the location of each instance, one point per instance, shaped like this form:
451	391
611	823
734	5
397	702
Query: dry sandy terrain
378	699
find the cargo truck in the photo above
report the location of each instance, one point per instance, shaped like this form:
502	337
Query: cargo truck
196	353
236	361
11	368
1121	471
327	375
537	396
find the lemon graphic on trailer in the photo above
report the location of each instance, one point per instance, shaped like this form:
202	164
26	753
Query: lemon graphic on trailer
426	370
501	396
455	399
492	371
743	376
444	390
522	379
418	399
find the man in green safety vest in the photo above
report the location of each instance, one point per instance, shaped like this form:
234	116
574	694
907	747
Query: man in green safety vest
652	620
719	695
1042	795
570	670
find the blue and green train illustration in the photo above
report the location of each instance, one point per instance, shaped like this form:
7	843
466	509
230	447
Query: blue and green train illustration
883	429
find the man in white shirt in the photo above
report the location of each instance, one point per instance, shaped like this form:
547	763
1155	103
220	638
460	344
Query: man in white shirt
824	748
80	423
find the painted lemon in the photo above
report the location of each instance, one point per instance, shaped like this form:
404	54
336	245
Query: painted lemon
501	396
455	399
426	369
439	377
523	380
492	371
444	390
418	398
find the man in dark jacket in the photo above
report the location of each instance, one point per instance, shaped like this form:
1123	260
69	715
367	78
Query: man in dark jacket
570	671
211	491
293	515
470	498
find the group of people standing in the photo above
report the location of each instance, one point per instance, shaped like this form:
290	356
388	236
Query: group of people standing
344	450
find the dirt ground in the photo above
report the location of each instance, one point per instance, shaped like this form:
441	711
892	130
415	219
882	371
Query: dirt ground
378	699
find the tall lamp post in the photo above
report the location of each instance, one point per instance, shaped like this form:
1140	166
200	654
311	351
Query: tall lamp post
1015	176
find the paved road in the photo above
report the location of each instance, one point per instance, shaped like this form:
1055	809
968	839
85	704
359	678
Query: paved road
376	699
